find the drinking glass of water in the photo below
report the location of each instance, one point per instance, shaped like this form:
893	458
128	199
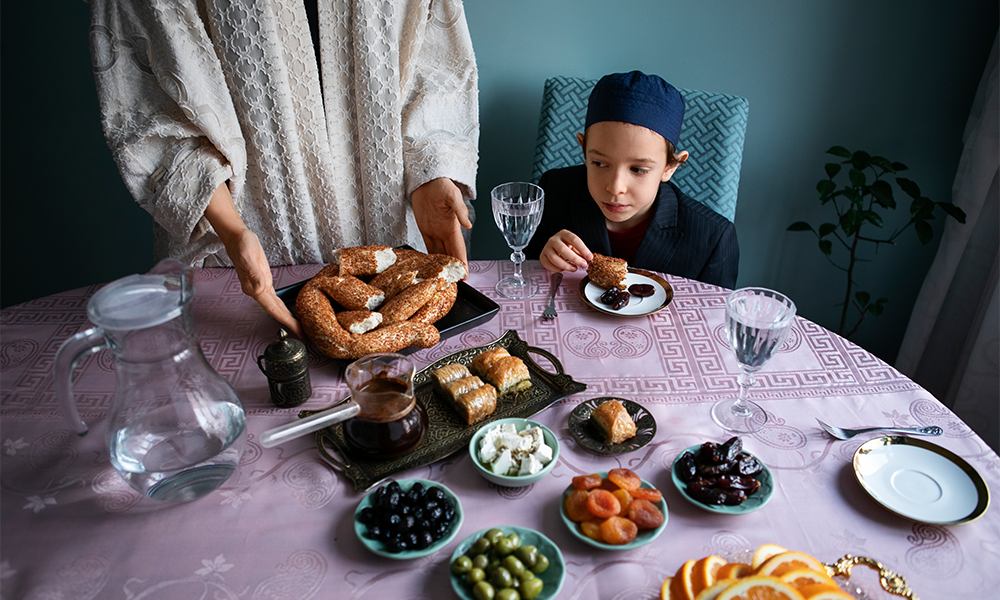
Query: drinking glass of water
757	322
517	209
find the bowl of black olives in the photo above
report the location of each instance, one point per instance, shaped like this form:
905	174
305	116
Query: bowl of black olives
408	518
507	563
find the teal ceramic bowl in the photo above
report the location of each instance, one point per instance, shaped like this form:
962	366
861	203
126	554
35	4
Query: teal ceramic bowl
504	480
377	547
552	578
644	537
752	503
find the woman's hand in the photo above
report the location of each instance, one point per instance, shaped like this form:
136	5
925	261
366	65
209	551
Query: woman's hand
565	252
248	258
441	213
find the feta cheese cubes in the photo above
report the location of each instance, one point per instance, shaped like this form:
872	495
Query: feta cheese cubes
506	451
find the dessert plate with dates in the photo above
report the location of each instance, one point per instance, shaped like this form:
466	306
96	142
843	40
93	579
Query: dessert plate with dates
660	294
755	501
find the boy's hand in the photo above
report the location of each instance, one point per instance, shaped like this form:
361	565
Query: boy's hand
565	252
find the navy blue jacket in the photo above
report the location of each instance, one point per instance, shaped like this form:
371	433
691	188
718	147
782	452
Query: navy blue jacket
684	238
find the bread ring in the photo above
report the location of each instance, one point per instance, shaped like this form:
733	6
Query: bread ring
410	300
364	260
351	293
412	290
438	306
359	321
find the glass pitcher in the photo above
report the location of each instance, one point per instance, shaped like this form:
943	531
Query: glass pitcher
176	428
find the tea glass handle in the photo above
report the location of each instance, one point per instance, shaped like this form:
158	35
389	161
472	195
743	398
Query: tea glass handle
289	431
68	357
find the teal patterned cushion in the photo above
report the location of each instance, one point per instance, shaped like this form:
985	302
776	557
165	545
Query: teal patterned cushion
713	132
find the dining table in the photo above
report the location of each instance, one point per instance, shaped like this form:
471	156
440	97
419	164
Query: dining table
282	527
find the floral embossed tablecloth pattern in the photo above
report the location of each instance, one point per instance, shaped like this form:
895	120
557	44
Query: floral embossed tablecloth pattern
281	526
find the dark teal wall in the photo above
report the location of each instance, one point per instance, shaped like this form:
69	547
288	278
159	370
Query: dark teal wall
895	78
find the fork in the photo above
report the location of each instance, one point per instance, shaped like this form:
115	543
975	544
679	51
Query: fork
550	310
846	434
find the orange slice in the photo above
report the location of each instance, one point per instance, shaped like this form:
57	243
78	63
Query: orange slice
824	591
682	587
734	571
779	564
760	587
712	592
703	574
765	552
665	589
799	578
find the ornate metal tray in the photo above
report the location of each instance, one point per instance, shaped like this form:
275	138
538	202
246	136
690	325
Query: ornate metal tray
446	433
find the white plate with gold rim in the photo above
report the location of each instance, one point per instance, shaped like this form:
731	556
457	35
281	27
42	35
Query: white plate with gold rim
921	481
637	306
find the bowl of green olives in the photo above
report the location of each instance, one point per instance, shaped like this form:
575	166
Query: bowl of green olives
507	563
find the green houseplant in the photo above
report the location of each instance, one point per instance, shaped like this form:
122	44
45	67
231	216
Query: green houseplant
860	203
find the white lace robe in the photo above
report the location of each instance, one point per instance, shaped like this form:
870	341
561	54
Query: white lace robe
195	93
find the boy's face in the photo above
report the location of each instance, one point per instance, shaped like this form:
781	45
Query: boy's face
625	165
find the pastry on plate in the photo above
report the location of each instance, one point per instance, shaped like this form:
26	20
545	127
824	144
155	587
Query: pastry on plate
481	363
613	422
608	272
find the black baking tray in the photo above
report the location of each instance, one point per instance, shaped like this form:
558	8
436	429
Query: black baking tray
446	432
471	309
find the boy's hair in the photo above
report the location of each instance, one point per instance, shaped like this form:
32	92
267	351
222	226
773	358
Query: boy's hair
671	151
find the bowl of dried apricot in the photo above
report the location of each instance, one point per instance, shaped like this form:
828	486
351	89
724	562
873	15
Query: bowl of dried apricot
614	510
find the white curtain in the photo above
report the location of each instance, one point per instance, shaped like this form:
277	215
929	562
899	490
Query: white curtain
952	343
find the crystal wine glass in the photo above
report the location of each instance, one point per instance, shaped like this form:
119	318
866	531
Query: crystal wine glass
757	322
517	209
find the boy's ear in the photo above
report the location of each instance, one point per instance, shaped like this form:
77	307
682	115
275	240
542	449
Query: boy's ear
580	140
680	157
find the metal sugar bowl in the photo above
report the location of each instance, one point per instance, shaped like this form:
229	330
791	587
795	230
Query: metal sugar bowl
286	365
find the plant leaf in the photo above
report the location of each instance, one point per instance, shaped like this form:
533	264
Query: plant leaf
924	231
826	229
826	247
832	169
825	187
853	195
863	298
839	151
873	217
922	209
857	178
883	164
800	226
848	222
875	309
952	210
911	189
899	167
861	160
883	193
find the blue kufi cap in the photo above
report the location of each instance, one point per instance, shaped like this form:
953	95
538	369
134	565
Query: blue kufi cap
640	99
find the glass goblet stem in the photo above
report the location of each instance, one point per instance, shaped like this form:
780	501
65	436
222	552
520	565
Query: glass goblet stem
742	405
517	257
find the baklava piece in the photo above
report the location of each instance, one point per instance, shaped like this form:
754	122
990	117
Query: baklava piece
607	272
613	421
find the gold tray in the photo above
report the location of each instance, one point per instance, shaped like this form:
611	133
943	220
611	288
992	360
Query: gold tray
446	433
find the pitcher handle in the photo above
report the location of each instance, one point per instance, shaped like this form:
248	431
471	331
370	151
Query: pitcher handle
68	357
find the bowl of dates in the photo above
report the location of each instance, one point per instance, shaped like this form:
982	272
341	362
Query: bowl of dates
598	513
723	478
408	518
507	562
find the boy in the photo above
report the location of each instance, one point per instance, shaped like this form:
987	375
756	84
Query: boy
621	202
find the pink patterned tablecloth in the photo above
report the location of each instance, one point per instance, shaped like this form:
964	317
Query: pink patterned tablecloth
281	527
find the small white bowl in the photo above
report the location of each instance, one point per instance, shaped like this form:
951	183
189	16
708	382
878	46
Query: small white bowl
504	480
